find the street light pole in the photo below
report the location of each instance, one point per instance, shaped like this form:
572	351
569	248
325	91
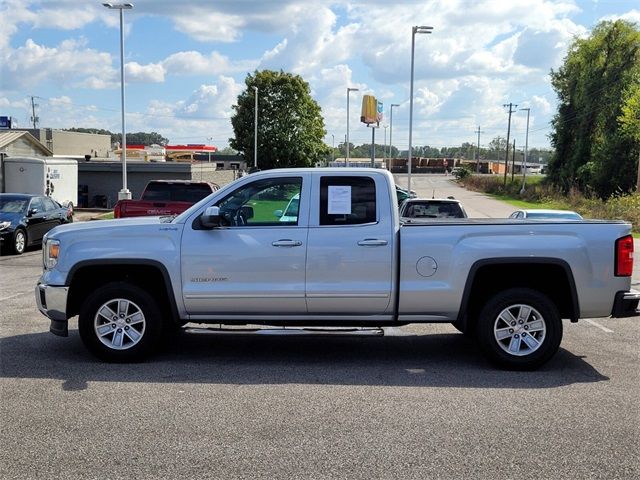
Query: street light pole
123	194
333	148
349	90
384	151
526	152
414	30
255	130
391	131
209	152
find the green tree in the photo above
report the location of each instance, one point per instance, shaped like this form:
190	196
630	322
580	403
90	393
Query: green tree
497	148
226	151
290	124
630	123
141	138
592	150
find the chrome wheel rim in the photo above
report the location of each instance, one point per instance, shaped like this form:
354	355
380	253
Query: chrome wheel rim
20	242
119	324
519	330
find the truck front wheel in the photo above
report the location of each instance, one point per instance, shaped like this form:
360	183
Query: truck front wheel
519	329
120	322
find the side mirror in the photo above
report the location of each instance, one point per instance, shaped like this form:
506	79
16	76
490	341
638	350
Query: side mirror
211	217
32	212
278	213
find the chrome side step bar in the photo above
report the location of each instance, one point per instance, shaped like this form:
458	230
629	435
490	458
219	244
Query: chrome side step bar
329	331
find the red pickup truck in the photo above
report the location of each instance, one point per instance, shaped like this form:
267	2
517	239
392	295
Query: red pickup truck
164	197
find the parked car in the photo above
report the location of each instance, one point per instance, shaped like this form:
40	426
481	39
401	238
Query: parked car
432	208
533	214
164	197
290	214
403	194
25	218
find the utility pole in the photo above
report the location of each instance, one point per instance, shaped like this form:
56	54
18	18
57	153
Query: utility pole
34	118
506	158
478	151
526	153
513	160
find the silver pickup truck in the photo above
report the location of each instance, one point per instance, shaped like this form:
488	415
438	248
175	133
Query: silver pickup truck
339	257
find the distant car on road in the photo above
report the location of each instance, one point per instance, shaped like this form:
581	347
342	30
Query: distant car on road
432	208
25	218
533	214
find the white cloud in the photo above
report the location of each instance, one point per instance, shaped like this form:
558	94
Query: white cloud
209	27
631	16
67	64
151	73
204	114
541	104
195	63
64	102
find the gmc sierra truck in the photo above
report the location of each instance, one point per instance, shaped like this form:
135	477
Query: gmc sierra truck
340	258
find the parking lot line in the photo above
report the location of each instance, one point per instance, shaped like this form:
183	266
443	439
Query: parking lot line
596	324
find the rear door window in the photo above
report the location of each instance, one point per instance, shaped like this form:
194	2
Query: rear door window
346	200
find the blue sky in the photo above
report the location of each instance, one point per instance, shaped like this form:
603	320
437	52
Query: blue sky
186	62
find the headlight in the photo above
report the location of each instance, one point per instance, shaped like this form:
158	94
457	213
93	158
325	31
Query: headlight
50	253
4	225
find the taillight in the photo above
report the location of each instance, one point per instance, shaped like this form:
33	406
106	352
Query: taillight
624	256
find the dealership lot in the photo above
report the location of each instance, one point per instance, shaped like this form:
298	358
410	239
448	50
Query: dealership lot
418	402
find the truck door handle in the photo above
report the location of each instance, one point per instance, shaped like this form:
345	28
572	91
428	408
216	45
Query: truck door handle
372	242
287	243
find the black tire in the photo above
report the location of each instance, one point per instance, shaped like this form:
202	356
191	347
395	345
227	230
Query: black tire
19	243
130	332
519	329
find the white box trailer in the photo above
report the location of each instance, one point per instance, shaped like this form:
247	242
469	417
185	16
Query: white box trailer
54	177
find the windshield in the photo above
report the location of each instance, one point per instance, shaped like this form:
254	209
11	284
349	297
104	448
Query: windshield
13	204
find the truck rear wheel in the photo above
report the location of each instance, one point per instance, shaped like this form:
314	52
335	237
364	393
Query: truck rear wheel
519	329
120	322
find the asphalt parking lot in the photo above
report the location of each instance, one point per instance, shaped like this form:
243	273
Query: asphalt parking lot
419	402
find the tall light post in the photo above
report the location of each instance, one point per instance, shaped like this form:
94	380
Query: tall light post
123	194
209	152
414	30
333	149
384	151
349	90
255	130
526	147
391	129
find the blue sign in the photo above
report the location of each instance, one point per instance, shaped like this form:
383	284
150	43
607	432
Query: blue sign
5	122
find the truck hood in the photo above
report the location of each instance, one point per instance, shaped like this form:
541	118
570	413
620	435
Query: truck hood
95	227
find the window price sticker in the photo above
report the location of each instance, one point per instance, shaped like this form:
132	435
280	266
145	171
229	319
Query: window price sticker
339	200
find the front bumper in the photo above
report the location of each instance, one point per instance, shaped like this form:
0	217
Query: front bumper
626	304
52	303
